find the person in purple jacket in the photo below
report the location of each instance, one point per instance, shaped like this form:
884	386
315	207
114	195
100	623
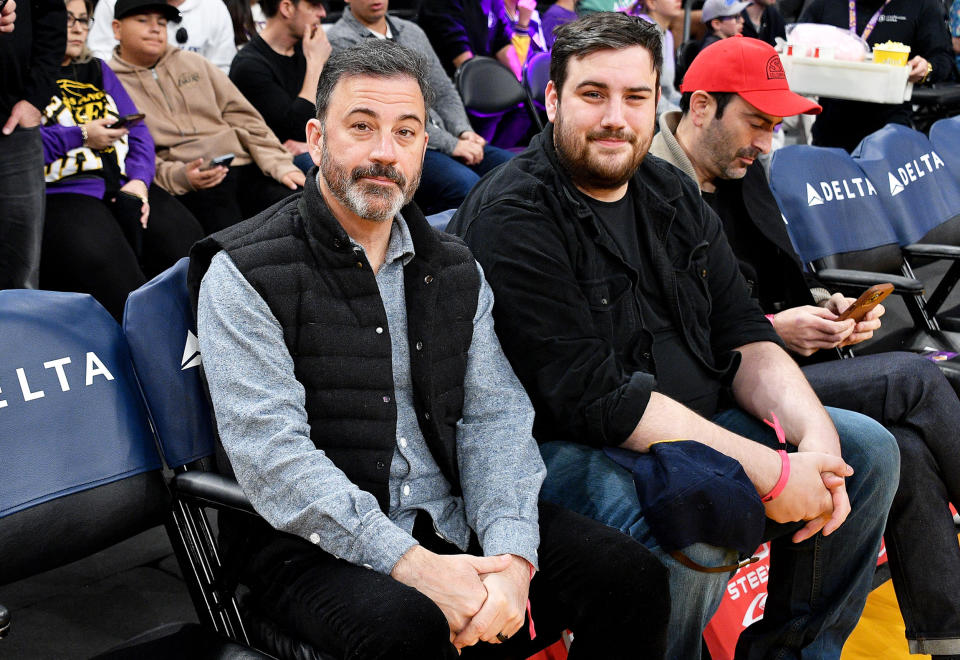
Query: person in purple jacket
108	228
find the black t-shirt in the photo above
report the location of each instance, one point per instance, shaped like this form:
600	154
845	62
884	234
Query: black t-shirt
680	374
762	264
272	83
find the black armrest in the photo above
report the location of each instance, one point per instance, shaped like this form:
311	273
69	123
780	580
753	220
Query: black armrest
4	621
864	279
214	489
932	251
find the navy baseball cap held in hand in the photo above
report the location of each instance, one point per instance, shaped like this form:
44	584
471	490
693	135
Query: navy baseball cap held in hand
691	493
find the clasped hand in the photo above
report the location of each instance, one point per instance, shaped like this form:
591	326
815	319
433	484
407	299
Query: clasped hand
479	596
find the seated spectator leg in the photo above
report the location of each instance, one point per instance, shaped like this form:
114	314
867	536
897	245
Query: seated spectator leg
444	183
84	250
216	208
171	231
257	191
492	157
583	479
513	129
21	208
345	610
912	398
817	588
601	584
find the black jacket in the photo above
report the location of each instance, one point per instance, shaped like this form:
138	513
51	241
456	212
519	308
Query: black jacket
272	83
790	284
567	312
30	56
917	23
456	26
771	25
325	297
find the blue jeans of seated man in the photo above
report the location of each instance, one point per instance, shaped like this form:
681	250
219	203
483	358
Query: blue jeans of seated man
446	180
816	589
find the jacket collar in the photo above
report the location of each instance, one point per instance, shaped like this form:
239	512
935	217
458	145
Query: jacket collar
665	144
360	29
325	231
654	188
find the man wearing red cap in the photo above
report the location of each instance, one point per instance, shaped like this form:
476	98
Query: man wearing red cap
623	311
734	95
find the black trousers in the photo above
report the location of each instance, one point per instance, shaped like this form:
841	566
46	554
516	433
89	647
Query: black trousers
84	248
601	584
243	193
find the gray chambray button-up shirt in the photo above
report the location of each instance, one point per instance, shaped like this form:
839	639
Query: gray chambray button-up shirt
262	420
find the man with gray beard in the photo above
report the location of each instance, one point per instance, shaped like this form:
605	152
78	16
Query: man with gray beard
366	409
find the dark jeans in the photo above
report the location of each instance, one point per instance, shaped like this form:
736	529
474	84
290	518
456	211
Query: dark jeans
446	180
604	586
84	248
910	396
243	193
21	208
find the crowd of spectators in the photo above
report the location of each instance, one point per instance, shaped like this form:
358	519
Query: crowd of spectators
132	129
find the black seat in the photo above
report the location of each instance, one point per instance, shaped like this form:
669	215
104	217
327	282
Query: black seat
488	88
685	55
536	75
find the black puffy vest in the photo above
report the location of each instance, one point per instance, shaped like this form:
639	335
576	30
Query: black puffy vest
325	296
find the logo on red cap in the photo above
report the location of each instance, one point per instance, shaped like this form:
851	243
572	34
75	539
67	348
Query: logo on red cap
775	69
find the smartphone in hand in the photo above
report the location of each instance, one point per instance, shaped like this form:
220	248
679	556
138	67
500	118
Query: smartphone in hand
866	302
126	120
223	160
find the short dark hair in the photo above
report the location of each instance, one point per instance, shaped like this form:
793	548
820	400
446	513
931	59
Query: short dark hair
603	31
381	58
271	7
722	99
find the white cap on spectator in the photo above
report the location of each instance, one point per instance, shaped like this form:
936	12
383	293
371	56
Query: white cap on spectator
720	8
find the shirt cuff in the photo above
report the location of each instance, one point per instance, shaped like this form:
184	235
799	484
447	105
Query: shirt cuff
380	544
510	536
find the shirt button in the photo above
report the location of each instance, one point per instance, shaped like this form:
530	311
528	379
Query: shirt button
703	273
379	331
386	399
428	279
403	442
359	264
381	465
336	242
426	415
603	301
315	538
419	345
406	490
645	356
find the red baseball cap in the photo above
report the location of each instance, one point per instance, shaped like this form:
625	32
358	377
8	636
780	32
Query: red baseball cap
750	68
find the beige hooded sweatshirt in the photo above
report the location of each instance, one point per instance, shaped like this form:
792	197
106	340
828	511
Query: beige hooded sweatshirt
194	111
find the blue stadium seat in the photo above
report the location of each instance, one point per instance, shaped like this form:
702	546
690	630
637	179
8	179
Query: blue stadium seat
78	461
161	330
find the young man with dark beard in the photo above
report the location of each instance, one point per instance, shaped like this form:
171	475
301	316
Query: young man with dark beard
623	311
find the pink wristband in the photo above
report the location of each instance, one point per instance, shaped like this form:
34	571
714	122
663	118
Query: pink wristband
784	460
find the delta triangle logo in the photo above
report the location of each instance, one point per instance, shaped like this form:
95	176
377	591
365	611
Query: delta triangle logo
191	353
895	186
813	197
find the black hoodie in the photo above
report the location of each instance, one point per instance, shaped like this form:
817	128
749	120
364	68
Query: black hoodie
30	55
